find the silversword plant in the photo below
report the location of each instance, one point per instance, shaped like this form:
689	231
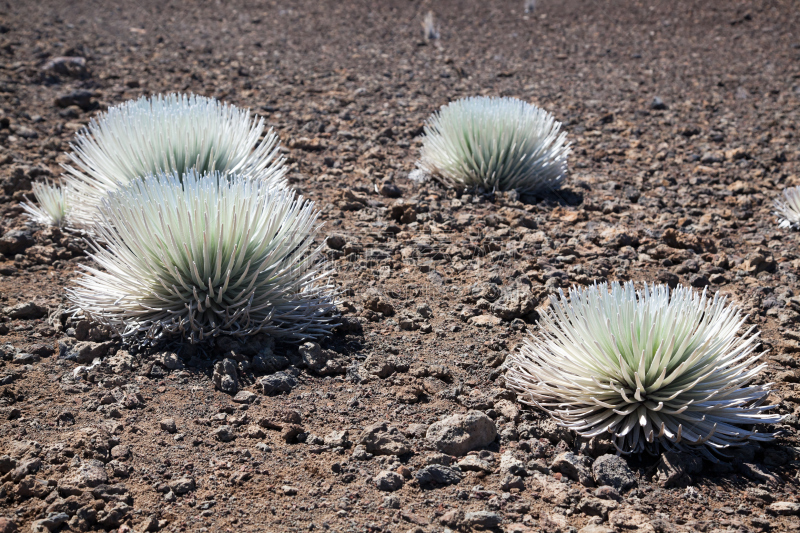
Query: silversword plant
52	204
172	133
788	210
652	368
495	144
206	255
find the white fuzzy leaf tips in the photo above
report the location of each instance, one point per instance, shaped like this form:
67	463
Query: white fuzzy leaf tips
495	144
53	204
788	210
204	256
652	368
172	133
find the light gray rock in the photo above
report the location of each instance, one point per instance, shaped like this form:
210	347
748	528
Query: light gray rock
90	473
472	463
389	481
482	520
168	425
313	356
785	508
244	396
336	438
224	434
458	434
182	485
511	465
383	439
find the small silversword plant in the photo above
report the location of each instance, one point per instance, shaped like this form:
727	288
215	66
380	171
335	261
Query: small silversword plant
172	133
206	255
652	368
788	210
53	204
495	144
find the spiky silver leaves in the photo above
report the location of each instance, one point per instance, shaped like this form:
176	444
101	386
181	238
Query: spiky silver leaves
495	144
53	204
208	255
651	367
788	210
172	133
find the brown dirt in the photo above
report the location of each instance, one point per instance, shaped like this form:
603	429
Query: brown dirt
682	194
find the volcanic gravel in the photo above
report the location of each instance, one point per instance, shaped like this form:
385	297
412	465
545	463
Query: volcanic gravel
683	117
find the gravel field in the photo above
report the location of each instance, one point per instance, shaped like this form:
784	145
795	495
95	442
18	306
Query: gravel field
683	117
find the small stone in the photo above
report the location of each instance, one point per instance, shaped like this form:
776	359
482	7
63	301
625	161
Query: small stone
277	383
486	321
312	355
289	490
785	508
597	507
171	361
50	524
25	311
458	434
120	451
182	485
225	377
360	453
657	104
255	432
607	493
483	520
511	465
80	98
438	474
510	481
383	439
290	432
23	358
574	467
90	473
67	66
389	481
389	502
475	464
597	528
224	434
336	438
612	470
244	396
168	425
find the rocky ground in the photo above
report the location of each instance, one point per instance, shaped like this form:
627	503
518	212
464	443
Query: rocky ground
683	116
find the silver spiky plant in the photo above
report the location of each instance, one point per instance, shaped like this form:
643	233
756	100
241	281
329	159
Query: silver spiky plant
201	256
788	210
495	144
172	133
52	204
652	368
